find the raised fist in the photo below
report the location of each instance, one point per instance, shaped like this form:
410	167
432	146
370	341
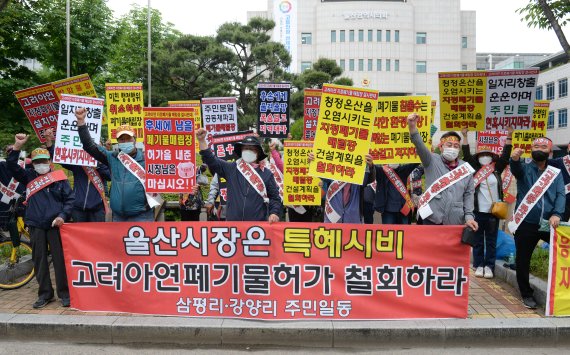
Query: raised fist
201	134
517	152
80	114
20	140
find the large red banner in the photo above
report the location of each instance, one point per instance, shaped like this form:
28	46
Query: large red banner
283	271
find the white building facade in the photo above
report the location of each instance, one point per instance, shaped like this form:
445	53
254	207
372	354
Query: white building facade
396	47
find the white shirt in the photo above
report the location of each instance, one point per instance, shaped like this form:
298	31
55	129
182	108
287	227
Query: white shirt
483	198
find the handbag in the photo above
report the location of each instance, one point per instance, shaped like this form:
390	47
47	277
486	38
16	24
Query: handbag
499	209
468	236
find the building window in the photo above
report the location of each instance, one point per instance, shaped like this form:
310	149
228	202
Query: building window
397	65
379	64
463	42
305	66
463	66
351	36
333	36
397	36
388	35
563	118
539	92
306	38
370	35
550	124
360	64
369	64
388	62
341	37
563	87
550	91
378	35
421	38
360	35
341	64
351	65
421	67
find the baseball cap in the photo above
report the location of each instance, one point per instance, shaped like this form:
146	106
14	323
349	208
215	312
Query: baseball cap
40	153
125	129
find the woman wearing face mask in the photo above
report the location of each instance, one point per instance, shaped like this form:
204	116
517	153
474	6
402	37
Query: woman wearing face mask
488	189
252	192
49	204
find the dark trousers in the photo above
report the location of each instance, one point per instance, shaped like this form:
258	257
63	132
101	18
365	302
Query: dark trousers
526	237
80	215
294	216
485	248
190	215
40	239
394	218
368	212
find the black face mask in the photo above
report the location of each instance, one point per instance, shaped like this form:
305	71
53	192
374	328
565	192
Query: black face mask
539	156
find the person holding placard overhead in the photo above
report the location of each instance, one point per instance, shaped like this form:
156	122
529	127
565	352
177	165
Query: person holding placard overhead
540	204
129	202
450	193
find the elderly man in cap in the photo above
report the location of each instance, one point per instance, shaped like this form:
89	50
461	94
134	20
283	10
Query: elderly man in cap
128	198
252	192
488	189
49	204
540	202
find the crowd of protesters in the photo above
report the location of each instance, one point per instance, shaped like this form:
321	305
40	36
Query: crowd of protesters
462	192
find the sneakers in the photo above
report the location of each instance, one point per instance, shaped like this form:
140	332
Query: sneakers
488	273
479	272
529	302
65	302
41	303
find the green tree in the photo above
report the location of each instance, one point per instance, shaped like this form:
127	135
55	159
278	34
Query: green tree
256	57
190	67
551	15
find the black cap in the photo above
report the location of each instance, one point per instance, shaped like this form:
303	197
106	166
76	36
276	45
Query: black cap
251	141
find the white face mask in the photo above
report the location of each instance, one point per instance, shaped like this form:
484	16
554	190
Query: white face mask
394	166
249	156
450	154
485	160
41	168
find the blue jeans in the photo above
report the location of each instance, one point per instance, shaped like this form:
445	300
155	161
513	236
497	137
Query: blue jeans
146	216
394	218
484	250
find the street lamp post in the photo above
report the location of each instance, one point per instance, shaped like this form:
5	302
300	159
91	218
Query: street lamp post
67	30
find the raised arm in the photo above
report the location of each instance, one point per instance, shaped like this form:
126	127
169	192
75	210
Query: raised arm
88	144
216	165
423	152
12	159
516	165
506	154
466	149
276	157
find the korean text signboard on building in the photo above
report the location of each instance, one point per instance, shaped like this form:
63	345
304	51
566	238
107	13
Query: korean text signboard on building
68	147
280	271
224	148
558	293
346	118
273	109
311	104
487	100
170	155
299	188
219	116
125	107
523	138
390	141
41	106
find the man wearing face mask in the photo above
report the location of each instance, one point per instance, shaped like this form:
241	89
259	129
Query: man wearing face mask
252	192
540	197
563	163
488	189
449	181
129	202
392	198
49	203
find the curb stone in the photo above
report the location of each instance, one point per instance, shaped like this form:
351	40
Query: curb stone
510	276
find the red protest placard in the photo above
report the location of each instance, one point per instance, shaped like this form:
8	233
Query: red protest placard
280	271
41	106
493	141
311	104
170	149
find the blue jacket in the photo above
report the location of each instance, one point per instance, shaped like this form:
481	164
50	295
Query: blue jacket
87	198
553	198
388	199
51	202
558	163
244	203
127	193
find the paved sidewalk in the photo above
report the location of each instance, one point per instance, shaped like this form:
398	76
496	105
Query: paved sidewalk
487	299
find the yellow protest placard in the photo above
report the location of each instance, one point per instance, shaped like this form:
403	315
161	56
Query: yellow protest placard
523	139
124	107
558	295
342	141
300	189
390	143
197	113
79	85
462	97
